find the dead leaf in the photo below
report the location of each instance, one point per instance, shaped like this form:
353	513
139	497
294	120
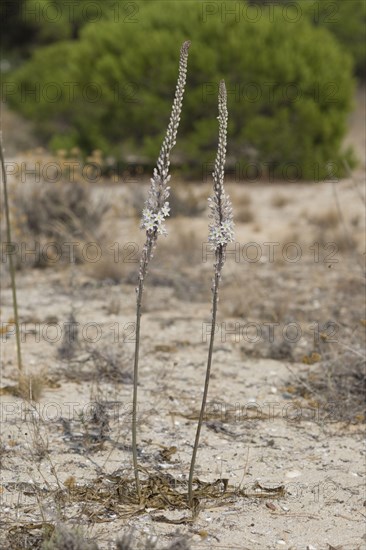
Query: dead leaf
167	452
164	348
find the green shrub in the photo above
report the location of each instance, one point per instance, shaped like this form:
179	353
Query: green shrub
30	23
345	19
289	88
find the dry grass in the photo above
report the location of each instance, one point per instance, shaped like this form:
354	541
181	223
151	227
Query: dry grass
103	363
23	139
279	200
244	215
244	306
136	198
186	201
335	241
185	240
127	542
56	209
70	342
242	203
67	539
164	496
45	216
250	292
107	269
61	537
345	242
31	386
334	381
328	219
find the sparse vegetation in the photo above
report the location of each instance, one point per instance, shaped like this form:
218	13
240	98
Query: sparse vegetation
286	407
186	203
279	201
109	268
11	261
244	215
67	539
328	219
48	215
30	386
70	341
338	379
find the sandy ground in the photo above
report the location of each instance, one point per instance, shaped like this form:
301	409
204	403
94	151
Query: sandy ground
295	460
255	430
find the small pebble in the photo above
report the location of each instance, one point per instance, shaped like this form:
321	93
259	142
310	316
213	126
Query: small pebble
292	474
287	395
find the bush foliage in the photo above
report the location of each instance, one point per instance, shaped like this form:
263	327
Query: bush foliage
33	23
289	87
345	19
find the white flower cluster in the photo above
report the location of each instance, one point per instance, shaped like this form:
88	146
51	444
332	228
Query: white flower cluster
221	230
154	221
157	206
222	234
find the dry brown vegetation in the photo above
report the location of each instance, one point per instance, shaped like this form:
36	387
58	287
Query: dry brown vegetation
245	215
328	219
67	479
279	201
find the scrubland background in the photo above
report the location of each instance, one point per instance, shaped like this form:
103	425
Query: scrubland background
86	91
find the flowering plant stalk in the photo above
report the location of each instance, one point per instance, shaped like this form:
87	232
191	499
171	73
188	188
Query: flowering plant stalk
221	232
11	263
153	222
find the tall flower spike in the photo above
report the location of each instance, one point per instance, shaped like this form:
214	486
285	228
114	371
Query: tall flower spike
221	232
157	206
153	217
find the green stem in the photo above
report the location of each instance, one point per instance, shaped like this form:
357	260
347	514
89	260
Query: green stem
207	380
11	263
